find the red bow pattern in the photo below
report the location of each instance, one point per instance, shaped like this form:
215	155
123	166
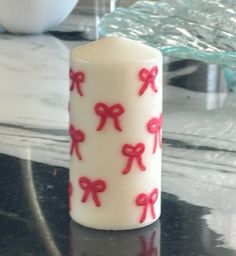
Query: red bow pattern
93	188
148	77
77	136
154	127
76	79
147	201
133	152
113	112
151	249
70	192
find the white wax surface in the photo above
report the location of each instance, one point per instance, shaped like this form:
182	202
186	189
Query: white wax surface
115	50
111	67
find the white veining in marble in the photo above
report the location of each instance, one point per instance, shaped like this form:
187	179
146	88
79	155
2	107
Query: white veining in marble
199	163
34	86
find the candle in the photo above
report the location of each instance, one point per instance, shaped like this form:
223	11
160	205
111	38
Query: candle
115	130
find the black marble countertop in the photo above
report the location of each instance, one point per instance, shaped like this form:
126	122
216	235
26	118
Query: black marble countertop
34	220
199	153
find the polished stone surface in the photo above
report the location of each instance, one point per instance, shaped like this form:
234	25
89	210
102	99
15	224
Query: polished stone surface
34	221
199	154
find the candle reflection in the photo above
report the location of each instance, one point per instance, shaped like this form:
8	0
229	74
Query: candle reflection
149	247
89	242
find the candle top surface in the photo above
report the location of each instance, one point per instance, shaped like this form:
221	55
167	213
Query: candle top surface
115	50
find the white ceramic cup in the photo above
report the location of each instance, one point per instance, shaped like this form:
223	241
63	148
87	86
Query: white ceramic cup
33	16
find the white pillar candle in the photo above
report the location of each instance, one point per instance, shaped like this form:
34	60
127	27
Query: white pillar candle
115	128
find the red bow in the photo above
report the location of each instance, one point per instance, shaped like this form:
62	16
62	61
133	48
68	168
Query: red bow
93	188
77	78
70	192
150	250
146	200
105	112
133	152
76	137
148	77
154	126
